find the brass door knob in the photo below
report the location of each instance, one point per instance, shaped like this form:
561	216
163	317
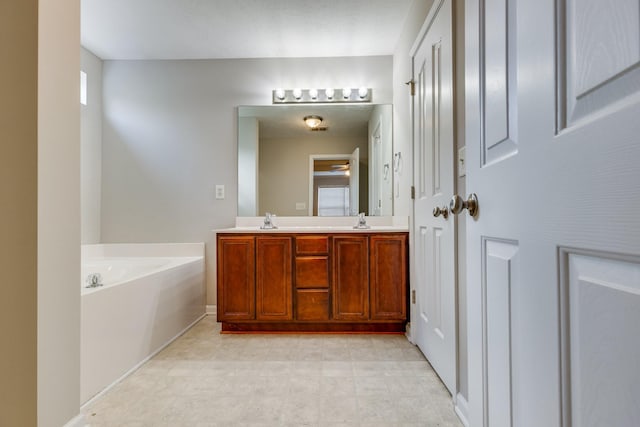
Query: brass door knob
437	211
458	204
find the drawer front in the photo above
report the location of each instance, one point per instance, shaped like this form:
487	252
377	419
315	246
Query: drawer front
312	272
312	305
312	244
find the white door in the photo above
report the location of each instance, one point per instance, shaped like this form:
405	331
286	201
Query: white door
434	315
354	181
553	152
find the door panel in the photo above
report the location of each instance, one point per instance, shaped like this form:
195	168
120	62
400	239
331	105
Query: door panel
236	278
388	281
556	243
599	309
600	45
274	291
350	282
434	321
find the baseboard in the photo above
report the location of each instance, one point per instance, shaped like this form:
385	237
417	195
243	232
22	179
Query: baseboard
78	421
462	409
211	310
142	362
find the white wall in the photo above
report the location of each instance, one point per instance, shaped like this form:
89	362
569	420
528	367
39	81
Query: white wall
91	149
58	212
170	135
284	169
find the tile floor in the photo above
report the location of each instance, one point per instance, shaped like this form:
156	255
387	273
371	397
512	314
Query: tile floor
207	379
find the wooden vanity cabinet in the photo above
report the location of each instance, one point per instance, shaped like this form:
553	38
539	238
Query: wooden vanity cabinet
236	278
350	277
388	268
274	295
354	282
312	278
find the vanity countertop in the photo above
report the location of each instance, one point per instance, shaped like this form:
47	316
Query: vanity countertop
395	224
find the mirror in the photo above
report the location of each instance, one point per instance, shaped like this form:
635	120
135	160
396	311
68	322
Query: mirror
342	166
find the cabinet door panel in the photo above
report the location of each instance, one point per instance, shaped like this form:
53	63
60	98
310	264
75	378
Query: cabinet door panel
236	278
312	272
350	282
274	293
388	277
312	304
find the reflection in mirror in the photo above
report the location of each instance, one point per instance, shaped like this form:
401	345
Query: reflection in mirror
339	167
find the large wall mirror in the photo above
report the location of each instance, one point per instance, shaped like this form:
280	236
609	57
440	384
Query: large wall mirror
340	166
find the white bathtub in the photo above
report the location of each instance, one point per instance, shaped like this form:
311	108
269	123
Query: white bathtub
151	294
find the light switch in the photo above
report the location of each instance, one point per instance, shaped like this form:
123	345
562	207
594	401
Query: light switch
300	206
462	162
219	192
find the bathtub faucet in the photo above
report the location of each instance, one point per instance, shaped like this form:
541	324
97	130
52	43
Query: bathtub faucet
268	222
94	280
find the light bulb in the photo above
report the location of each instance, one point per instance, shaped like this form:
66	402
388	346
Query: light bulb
362	92
313	93
297	93
346	93
280	94
313	121
329	93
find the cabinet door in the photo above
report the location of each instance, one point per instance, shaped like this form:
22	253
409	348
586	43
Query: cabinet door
350	278
388	286
274	293
236	278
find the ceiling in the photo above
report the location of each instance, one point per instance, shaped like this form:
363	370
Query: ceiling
285	121
200	29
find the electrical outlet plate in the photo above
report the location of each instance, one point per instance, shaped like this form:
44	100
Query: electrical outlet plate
300	206
219	192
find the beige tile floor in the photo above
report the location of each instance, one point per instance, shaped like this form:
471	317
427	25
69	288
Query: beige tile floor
207	379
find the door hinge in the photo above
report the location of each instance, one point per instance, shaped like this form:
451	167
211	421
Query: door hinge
413	296
412	85
413	192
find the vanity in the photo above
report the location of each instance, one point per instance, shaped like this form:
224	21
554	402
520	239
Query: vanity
320	278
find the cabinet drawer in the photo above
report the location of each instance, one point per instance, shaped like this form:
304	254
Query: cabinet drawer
312	272
312	245
312	305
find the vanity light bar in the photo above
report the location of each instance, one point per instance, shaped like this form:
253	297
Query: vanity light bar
313	96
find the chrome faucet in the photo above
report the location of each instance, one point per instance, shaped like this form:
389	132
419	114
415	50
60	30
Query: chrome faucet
362	222
94	280
268	222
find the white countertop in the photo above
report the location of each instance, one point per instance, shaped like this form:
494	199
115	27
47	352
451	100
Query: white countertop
378	224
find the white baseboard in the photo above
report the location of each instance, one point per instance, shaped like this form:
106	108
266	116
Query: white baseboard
211	310
78	421
462	409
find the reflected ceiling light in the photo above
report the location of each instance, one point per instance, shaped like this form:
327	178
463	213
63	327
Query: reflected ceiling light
346	93
329	93
280	94
313	93
363	92
297	93
312	121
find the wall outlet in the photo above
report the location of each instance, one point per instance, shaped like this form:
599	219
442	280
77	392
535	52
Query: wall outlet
219	192
300	206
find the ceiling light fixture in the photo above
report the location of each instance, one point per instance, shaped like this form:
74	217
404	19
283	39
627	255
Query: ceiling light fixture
313	121
319	96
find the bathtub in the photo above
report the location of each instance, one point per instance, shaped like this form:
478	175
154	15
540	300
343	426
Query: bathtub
151	294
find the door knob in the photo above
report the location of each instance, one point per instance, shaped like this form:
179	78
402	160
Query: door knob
458	204
437	211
